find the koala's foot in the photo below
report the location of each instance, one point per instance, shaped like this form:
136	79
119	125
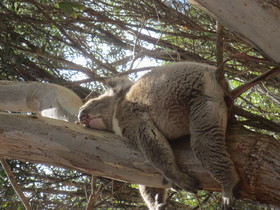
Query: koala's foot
228	199
227	203
227	191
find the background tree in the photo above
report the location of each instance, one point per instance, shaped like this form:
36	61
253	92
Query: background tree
79	45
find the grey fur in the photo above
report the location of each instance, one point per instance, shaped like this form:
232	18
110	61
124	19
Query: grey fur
155	198
170	102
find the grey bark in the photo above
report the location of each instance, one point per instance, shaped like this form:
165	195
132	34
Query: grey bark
53	142
258	21
44	99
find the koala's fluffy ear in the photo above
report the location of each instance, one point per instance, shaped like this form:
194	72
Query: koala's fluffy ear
119	84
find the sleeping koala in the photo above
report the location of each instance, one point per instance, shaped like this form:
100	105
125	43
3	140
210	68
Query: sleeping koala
170	102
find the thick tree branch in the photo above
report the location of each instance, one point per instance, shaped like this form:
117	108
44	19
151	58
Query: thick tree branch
104	154
253	19
48	100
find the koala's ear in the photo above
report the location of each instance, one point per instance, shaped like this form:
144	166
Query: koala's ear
119	85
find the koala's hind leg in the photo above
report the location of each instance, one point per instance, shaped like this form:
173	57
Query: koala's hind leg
155	198
208	119
138	127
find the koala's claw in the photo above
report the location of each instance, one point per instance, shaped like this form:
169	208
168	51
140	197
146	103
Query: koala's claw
227	201
226	207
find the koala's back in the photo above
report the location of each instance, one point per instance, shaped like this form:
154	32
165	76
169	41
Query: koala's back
167	93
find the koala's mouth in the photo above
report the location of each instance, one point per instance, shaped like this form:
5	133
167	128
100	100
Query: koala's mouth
94	122
85	118
85	122
91	121
88	121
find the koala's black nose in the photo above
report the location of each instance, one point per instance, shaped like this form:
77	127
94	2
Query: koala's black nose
82	116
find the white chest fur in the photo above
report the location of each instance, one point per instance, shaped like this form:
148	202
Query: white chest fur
115	124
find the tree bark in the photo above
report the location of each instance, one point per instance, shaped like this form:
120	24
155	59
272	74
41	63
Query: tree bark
258	21
47	100
64	144
53	142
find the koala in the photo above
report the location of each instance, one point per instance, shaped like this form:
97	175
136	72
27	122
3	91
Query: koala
165	104
155	198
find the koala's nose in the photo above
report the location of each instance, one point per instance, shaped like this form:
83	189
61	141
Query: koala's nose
82	116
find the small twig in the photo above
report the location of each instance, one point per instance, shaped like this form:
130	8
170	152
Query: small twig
200	206
116	191
220	45
94	194
267	124
136	70
220	57
262	89
14	184
204	201
241	89
246	101
134	57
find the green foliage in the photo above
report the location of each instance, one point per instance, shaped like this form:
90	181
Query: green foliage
70	8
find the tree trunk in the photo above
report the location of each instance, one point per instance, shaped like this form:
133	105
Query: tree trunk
54	142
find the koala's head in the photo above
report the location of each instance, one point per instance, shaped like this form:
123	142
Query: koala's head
98	112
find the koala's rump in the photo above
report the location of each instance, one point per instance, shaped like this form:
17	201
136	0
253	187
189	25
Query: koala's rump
167	91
